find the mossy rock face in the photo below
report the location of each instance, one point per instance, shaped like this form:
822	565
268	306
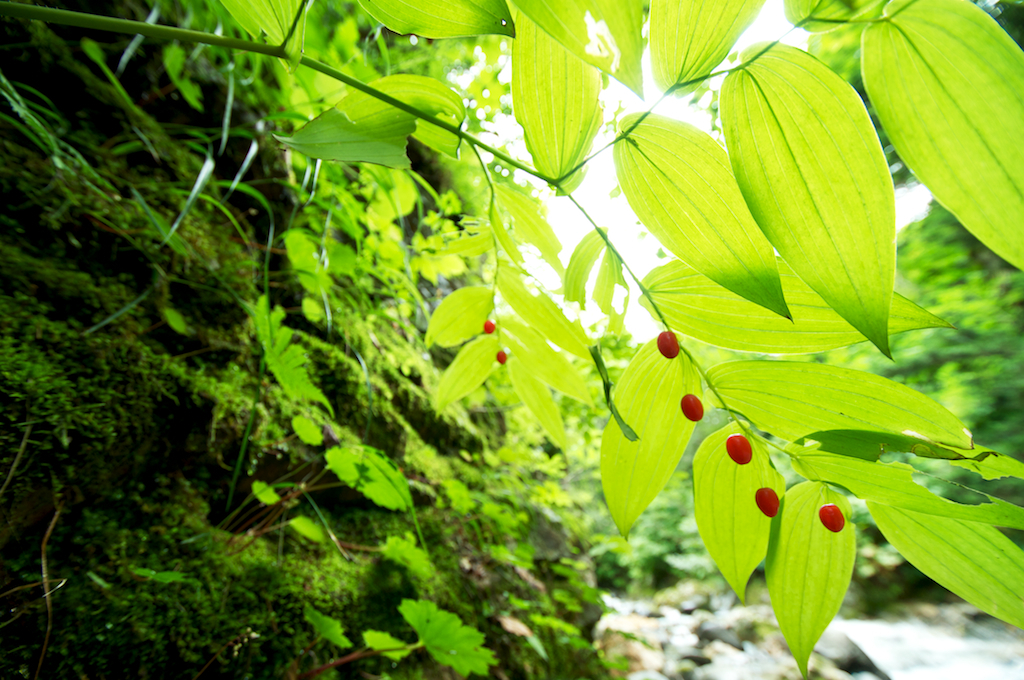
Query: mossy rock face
125	429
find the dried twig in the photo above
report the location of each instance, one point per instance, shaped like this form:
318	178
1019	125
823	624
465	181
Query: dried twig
46	595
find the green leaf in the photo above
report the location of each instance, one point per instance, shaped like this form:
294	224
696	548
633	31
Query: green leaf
992	465
308	529
265	493
304	253
603	33
531	226
451	19
734	530
830	14
372	474
286	361
538	399
812	170
447	639
699	307
460	316
504	238
792	399
273	17
648	396
402	550
555	99
307	431
471	367
975	561
678	181
174	63
868	445
580	265
176	321
606	383
378	640
326	627
542	314
946	82
609	276
893	484
544	363
689	38
808	567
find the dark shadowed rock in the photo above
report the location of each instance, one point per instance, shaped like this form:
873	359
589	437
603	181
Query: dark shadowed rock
838	648
709	631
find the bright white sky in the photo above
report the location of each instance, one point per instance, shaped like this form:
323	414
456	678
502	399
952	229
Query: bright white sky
638	248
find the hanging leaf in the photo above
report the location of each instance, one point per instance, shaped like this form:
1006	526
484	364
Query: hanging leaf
538	399
827	15
813	173
975	561
689	38
448	640
326	627
542	314
603	33
460	316
471	367
531	226
734	529
307	431
580	264
372	474
699	307
545	363
678	181
808	567
946	82
508	244
648	396
793	399
610	275
273	17
452	19
555	99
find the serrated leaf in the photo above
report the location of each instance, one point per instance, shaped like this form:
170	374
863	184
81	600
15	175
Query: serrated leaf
946	82
826	15
265	493
452	19
308	528
538	399
648	396
793	399
811	168
893	484
508	244
542	314
448	640
403	550
471	367
679	183
287	362
699	307
379	640
531	226
808	567
327	627
544	363
689	38
975	561
603	33
580	264
372	474
460	316
307	431
555	99
734	530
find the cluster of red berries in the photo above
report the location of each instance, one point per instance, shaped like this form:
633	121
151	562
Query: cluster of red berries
668	345
489	327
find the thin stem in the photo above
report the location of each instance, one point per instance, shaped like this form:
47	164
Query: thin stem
17	459
46	593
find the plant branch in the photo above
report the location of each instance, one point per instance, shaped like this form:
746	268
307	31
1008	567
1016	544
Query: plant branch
46	593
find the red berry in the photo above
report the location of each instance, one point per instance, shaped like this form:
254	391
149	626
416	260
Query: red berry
832	517
767	501
489	326
738	448
668	345
502	357
692	408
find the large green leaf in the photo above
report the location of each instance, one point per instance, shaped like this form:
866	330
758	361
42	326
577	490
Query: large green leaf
793	399
808	567
460	316
543	362
812	170
450	19
734	530
948	85
699	307
554	97
893	484
542	314
580	265
992	465
471	367
647	396
678	182
689	38
448	640
372	474
273	17
604	33
975	561
531	226
827	15
538	399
